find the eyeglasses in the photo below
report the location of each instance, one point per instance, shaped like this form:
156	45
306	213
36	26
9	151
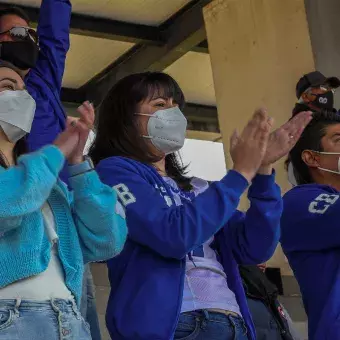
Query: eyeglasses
19	33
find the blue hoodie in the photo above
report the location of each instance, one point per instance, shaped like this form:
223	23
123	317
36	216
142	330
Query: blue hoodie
44	81
147	278
311	241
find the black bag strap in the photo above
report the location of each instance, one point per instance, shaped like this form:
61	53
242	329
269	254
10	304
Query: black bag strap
257	286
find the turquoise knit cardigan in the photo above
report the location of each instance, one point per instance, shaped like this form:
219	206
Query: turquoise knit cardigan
87	220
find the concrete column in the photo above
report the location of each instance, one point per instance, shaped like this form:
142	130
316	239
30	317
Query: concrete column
324	27
258	49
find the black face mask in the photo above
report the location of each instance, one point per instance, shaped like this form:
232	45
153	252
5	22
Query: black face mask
22	54
324	101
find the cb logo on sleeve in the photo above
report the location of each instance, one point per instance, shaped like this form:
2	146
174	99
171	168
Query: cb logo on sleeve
321	204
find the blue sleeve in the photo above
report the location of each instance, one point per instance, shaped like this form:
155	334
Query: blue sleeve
172	231
254	235
310	220
53	31
25	188
102	230
45	80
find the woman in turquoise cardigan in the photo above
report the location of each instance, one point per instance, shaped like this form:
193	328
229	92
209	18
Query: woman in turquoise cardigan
47	233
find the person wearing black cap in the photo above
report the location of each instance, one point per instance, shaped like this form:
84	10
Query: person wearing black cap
315	92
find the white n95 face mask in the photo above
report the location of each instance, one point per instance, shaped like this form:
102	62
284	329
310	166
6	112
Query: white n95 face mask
17	110
330	153
166	129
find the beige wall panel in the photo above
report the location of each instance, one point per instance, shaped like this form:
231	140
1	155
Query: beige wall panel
258	49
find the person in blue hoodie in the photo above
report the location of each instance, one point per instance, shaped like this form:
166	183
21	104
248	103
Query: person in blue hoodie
309	224
48	233
40	55
177	277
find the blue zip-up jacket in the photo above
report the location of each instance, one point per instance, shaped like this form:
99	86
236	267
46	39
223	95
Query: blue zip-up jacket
87	225
44	81
311	241
147	277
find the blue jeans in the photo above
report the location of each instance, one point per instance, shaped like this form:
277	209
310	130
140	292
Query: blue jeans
88	306
50	320
204	325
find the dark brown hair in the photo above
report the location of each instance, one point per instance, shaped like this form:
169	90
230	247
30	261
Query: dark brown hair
117	132
14	11
20	148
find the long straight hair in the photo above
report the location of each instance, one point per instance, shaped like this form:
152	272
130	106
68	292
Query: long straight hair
20	148
117	131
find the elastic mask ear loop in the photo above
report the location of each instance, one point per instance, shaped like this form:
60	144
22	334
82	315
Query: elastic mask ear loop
330	153
147	115
143	114
331	171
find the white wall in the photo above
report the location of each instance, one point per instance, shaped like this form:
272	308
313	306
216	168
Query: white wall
206	159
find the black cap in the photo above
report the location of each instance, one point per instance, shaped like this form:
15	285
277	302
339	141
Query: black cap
314	79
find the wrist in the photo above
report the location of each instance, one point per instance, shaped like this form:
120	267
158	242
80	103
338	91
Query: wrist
247	175
76	160
265	169
81	168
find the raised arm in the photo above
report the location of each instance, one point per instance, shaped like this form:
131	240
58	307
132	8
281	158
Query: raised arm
44	81
53	31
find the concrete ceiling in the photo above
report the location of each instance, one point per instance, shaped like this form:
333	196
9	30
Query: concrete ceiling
88	56
148	12
194	75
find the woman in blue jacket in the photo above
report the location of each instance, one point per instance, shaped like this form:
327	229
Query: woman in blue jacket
177	276
47	233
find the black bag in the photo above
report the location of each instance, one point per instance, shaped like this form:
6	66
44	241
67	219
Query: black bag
258	287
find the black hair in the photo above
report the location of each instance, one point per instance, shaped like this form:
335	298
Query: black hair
20	148
14	11
310	140
117	132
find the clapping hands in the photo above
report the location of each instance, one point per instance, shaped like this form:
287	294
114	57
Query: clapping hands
256	147
72	141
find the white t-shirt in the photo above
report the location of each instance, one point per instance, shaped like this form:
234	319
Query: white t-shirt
48	284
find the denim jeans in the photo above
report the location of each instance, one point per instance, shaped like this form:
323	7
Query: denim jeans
50	320
205	325
88	306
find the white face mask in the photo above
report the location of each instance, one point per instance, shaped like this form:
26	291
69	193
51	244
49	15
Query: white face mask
17	110
330	153
167	129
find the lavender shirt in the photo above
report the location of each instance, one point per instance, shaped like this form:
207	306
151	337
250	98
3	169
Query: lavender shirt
205	284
